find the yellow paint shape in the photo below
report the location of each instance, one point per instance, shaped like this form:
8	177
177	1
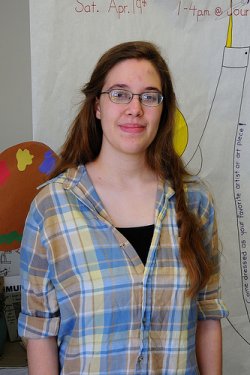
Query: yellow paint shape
180	133
229	41
24	158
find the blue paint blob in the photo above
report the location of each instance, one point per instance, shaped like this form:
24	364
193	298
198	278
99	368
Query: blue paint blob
48	163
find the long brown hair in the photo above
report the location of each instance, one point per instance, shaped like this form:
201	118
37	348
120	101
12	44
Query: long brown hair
84	140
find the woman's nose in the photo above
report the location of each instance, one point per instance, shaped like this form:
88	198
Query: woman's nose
135	107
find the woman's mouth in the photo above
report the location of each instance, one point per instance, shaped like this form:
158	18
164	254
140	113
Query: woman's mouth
132	128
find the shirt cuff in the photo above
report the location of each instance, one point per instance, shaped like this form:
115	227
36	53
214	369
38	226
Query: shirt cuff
33	327
212	309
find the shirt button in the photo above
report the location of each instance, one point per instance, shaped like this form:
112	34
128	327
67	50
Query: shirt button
140	358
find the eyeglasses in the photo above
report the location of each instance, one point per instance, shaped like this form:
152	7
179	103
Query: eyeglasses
120	96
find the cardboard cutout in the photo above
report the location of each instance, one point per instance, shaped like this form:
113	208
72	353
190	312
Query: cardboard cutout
23	168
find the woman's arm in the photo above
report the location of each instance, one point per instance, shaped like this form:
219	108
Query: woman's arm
209	347
43	356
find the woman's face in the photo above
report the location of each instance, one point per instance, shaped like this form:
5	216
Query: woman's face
129	128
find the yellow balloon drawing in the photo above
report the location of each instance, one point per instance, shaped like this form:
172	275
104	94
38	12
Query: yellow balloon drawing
180	133
24	158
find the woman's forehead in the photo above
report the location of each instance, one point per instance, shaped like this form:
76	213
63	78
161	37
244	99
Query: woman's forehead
134	71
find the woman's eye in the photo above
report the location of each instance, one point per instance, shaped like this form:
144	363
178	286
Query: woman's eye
123	94
148	97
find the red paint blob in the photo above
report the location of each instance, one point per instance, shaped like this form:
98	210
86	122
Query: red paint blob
4	172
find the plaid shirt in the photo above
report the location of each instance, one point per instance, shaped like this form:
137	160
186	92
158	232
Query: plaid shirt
83	282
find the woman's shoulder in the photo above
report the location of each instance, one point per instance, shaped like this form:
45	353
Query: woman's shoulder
63	181
52	192
50	187
199	194
195	184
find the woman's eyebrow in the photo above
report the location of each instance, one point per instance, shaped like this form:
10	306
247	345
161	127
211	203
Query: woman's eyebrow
126	87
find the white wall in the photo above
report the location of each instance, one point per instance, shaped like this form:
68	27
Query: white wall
15	76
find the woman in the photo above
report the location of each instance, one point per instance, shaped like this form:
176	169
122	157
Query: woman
119	256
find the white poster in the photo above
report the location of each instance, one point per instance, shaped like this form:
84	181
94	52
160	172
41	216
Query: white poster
206	44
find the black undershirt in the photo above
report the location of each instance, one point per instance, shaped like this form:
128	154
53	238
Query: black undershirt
140	238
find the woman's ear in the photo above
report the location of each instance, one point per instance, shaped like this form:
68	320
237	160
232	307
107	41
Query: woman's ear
97	109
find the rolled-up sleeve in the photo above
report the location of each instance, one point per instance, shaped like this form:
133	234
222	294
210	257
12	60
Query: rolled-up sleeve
39	315
209	302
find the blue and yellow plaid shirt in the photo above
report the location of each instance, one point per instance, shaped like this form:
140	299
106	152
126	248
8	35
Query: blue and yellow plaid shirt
83	282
